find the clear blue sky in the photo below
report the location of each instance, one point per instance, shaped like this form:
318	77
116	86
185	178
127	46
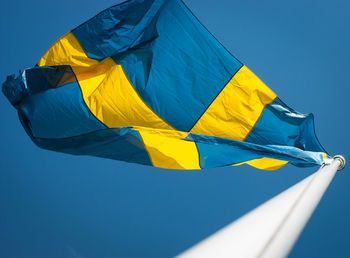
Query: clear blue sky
57	205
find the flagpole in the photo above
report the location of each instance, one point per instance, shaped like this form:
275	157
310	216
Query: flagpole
271	229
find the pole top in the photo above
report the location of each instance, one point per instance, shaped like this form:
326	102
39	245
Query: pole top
341	160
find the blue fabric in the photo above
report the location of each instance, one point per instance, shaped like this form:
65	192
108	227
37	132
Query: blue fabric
178	68
35	80
119	28
59	112
218	152
51	100
42	78
14	89
173	62
281	125
55	116
114	143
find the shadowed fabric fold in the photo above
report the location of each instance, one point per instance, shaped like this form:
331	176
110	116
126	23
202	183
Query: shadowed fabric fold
145	82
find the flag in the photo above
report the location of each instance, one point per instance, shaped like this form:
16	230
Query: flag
145	82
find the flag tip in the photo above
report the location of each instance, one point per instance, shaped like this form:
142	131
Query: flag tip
341	161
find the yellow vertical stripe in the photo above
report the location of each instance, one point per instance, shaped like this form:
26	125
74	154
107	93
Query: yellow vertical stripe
237	108
111	98
106	90
168	149
116	103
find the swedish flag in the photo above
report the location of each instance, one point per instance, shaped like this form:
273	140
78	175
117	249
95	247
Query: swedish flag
145	82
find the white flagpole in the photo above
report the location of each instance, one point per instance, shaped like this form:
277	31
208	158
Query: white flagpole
271	229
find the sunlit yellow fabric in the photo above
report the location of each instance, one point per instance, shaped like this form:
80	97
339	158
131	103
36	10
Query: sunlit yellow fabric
237	108
116	103
168	149
113	100
265	163
324	156
67	51
106	90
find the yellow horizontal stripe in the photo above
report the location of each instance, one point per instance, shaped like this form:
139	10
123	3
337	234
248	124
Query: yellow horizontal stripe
237	108
112	99
168	149
106	90
265	163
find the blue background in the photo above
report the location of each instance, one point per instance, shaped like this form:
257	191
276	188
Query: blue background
57	205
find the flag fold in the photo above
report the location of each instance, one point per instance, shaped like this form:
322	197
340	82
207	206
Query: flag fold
145	82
